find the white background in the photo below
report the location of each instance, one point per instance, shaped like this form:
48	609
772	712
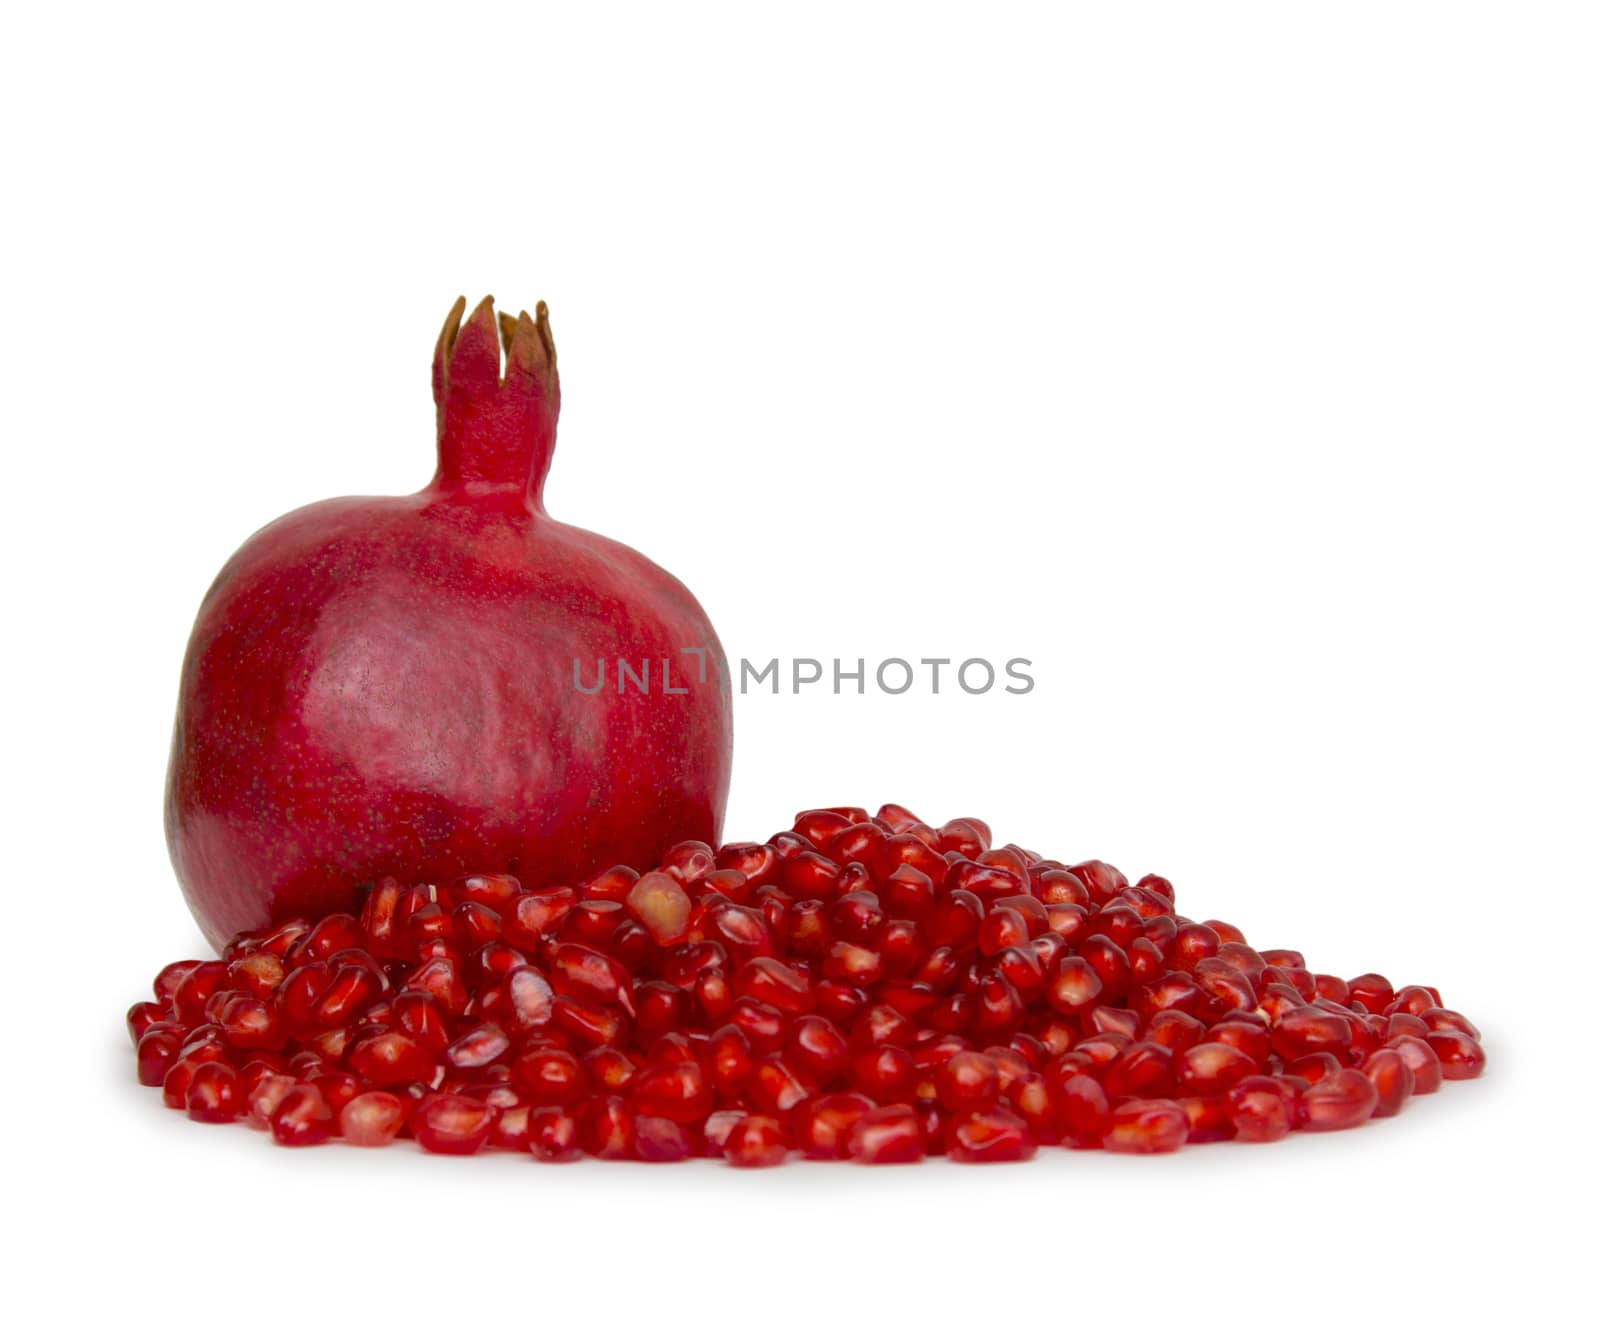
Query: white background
1235	363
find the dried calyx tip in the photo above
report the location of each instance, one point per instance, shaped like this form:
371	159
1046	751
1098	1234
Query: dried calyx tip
527	341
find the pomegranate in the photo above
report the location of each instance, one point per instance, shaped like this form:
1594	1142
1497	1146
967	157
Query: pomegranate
704	1007
379	685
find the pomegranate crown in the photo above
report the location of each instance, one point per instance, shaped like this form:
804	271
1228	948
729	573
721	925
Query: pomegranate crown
497	429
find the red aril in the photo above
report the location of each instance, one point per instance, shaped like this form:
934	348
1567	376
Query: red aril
213	1094
1261	1109
822	1125
451	1125
553	1134
373	1119
1344	1099
1427	1073
1460	1056
890	1135
1392	1079
1210	1069
660	1139
993	1134
755	1142
301	1116
1082	1111
1146	1127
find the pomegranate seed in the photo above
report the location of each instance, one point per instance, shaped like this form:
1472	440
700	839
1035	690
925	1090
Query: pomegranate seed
157	1051
553	1134
1427	1073
1313	1067
658	901
1460	1056
1414	1000
549	1076
755	1142
214	1094
1261	1109
372	1119
1442	1018
251	1024
301	1116
477	1048
264	1096
822	1125
1075	986
1082	1110
1210	1069
886	1072
1144	1071
605	1128
1146	1127
1344	1099
1372	991
993	1134
1208	1118
451	1125
1304	1030
968	1081
192	991
338	1088
143	1015
774	984
659	1139
816	1051
889	1135
1392	1078
1030	1097
391	1059
774	1088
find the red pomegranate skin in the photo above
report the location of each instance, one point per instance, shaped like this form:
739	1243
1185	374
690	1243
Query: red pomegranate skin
386	685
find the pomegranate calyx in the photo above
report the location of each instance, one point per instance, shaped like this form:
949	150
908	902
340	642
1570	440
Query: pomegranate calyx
496	431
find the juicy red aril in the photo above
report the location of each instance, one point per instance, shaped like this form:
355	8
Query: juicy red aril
373	1119
821	1126
451	1125
1208	1118
1146	1127
891	1135
156	1052
1083	1111
552	1134
213	1094
1460	1055
143	1015
661	1139
871	988
993	1134
392	1059
1427	1073
1208	1069
1344	1099
1392	1079
1261	1109
301	1117
755	1141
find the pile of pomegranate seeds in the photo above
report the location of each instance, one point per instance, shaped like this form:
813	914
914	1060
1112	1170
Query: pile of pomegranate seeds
870	988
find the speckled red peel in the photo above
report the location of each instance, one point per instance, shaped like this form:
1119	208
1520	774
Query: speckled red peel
387	684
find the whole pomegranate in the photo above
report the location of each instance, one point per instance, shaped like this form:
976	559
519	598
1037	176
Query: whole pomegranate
393	684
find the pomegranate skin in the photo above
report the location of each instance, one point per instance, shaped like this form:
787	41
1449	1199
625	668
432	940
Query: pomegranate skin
391	684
